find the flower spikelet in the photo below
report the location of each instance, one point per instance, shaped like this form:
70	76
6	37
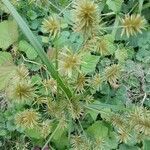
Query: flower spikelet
132	24
112	73
75	109
21	92
96	81
46	128
27	119
124	135
51	25
86	16
139	118
80	143
21	72
51	85
81	82
69	61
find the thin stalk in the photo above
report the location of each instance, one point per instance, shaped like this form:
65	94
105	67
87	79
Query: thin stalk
38	47
56	63
116	24
108	14
66	8
140	5
51	136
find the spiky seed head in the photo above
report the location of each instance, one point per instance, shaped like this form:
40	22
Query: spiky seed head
99	144
69	62
88	99
22	91
96	81
124	135
27	119
102	48
75	109
21	72
102	44
112	73
86	16
132	24
51	85
139	118
81	82
79	142
118	121
63	121
15	2
51	25
54	109
45	128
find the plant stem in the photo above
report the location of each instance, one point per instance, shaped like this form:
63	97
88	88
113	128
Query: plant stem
116	24
140	5
51	136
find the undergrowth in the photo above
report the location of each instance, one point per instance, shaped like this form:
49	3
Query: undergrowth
74	74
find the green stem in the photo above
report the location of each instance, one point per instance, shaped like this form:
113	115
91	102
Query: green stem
51	136
140	5
38	47
116	24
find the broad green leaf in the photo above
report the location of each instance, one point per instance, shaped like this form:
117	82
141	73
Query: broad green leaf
5	57
33	133
93	114
3	132
6	73
112	141
114	5
98	130
99	106
89	63
28	49
32	14
8	33
62	141
127	147
7	69
146	144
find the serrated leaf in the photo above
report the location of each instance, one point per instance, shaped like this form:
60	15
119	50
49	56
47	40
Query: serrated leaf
98	130
89	63
8	33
